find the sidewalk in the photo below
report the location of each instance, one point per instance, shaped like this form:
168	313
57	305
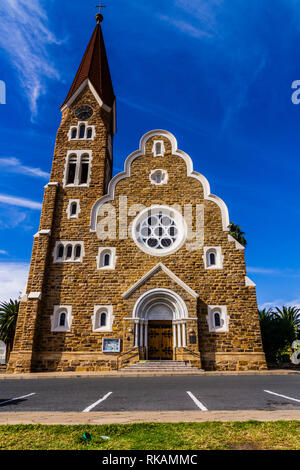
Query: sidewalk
145	416
60	375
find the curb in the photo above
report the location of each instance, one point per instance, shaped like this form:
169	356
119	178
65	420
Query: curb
60	375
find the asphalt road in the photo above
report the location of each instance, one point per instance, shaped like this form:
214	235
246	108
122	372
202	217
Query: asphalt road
151	393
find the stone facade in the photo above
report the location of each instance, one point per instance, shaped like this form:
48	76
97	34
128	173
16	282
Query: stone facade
182	276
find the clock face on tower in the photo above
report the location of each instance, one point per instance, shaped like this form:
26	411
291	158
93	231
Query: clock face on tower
83	113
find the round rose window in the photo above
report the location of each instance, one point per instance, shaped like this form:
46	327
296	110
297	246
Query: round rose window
159	230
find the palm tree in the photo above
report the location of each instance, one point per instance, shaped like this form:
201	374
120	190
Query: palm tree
235	232
291	315
8	320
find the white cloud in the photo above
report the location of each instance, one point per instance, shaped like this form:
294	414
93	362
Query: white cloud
13	279
185	27
14	165
280	302
25	36
3	252
283	272
20	202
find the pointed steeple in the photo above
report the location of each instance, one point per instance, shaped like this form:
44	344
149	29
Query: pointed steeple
94	67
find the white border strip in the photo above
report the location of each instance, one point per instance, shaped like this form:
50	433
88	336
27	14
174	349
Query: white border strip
89	408
15	399
283	396
197	402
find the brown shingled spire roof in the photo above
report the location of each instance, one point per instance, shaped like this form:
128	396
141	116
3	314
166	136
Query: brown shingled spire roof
94	66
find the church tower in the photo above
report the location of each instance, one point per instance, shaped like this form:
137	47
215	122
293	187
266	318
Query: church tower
81	171
138	267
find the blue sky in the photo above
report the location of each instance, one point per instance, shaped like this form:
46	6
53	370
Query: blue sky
217	74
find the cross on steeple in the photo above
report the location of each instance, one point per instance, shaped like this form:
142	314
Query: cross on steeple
99	16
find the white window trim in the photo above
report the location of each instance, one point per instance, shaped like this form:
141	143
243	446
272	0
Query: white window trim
64	259
222	310
164	176
78	154
163	150
68	211
58	309
181	225
219	257
98	309
102	251
87	126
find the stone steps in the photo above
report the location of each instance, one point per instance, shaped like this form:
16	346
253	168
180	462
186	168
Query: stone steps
160	366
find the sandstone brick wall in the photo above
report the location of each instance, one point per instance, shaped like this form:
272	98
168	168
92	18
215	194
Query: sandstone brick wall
82	286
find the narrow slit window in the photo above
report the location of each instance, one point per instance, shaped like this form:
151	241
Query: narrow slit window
158	148
69	251
71	171
102	319
77	251
106	259
60	251
74	133
84	170
62	319
89	133
217	319
74	208
81	131
212	258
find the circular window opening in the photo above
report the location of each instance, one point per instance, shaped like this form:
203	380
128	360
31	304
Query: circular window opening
159	230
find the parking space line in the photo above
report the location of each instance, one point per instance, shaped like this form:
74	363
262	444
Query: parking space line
89	408
197	402
283	396
14	399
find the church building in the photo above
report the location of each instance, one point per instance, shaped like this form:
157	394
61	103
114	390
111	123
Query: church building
136	267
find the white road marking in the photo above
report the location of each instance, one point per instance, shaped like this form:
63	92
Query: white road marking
14	399
89	408
197	402
283	396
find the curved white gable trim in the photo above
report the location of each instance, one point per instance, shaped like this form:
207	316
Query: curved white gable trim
190	172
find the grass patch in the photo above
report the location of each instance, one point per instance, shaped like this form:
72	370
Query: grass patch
250	435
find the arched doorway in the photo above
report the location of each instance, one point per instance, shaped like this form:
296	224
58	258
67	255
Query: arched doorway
160	319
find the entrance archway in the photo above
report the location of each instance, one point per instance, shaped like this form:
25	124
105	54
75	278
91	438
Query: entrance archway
160	323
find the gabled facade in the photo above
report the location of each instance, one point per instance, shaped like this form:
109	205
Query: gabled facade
139	266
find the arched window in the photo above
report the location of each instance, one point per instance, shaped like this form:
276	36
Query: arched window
217	319
84	169
60	251
62	319
106	259
74	134
81	131
71	170
212	258
77	251
89	133
69	251
74	208
102	319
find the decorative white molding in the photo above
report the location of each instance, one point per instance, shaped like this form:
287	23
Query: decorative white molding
68	210
153	177
51	184
35	295
79	154
42	232
98	309
237	244
101	253
55	318
217	250
173	303
222	311
249	282
85	83
176	218
162	148
77	128
154	270
190	172
66	244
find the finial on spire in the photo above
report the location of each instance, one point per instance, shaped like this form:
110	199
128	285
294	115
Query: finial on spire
99	16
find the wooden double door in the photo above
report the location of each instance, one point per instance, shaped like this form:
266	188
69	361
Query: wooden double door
160	340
